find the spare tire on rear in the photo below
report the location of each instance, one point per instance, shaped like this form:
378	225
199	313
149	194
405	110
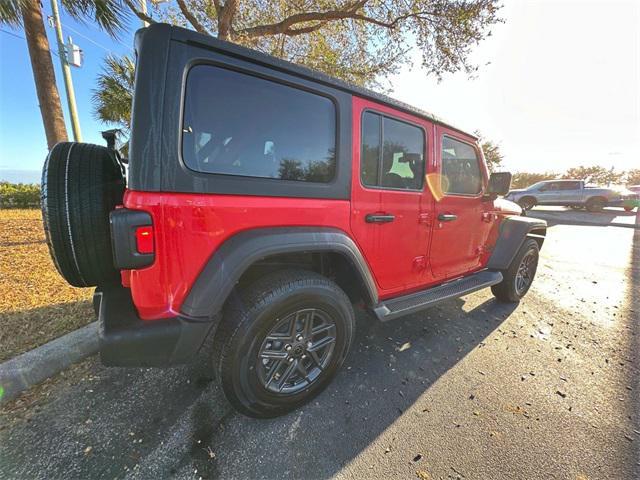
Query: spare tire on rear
81	184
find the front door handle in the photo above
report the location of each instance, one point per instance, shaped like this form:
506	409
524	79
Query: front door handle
379	218
447	217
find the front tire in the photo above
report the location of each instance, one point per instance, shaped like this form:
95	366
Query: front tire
281	342
517	279
527	203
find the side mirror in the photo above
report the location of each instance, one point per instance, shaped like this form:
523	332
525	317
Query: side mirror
499	183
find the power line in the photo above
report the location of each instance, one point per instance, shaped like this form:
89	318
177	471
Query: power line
12	34
22	38
93	27
88	39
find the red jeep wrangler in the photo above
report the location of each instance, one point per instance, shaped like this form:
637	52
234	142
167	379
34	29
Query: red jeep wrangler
262	200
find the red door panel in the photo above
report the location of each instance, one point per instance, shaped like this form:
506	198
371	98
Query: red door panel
395	248
460	224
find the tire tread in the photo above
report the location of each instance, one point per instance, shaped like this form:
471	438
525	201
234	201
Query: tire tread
81	184
239	312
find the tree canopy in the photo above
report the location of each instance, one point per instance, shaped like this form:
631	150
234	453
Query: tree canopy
113	93
359	41
595	174
633	177
362	41
110	15
491	151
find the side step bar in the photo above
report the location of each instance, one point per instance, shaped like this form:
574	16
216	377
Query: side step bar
400	306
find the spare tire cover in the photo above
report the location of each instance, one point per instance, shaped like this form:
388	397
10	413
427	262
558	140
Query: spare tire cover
81	184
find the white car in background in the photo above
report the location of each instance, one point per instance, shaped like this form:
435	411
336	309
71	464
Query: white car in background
576	194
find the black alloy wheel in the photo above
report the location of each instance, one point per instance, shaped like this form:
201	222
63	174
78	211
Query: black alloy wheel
296	351
281	341
526	271
517	279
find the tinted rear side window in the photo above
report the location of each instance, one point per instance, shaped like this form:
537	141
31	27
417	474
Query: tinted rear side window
238	124
392	153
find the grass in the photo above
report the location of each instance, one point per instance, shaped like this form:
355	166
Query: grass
36	303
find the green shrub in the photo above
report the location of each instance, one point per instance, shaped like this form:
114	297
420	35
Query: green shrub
19	195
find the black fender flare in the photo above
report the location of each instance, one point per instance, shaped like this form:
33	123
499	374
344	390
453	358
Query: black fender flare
513	232
225	267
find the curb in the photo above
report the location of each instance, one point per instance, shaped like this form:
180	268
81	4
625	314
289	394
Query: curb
26	370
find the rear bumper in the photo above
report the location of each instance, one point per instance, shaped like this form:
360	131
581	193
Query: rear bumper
128	341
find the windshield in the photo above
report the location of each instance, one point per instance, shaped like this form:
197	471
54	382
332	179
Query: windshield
535	186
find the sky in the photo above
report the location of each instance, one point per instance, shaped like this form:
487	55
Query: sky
558	86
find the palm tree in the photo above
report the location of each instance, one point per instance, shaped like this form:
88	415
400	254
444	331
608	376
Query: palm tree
110	15
112	96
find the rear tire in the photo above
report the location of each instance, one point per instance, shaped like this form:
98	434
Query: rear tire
596	204
81	184
266	342
517	279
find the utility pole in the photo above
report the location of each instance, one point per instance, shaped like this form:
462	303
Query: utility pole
66	72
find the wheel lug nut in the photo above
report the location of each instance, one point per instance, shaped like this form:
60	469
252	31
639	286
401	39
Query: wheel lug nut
287	348
299	338
304	356
290	359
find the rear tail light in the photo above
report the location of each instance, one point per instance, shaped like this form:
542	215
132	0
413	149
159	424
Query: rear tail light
144	239
132	239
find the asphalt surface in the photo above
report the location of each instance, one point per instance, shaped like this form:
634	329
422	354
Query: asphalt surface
473	389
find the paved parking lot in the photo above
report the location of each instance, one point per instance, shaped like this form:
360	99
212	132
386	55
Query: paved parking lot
471	389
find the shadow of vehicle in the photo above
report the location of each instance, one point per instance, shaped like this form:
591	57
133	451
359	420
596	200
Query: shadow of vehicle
158	423
615	217
389	369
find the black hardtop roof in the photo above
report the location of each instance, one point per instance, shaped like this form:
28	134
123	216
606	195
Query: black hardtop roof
192	37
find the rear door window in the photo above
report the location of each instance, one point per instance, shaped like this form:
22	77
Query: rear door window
239	124
550	187
460	168
570	186
392	153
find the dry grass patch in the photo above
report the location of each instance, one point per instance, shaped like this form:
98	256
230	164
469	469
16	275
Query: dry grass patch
36	304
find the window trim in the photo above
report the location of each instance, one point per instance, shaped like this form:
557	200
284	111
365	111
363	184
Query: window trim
251	73
425	140
480	169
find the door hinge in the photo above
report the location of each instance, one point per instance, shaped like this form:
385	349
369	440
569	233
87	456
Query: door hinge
420	263
424	218
489	217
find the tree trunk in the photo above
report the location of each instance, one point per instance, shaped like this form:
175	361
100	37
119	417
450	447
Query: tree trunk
43	74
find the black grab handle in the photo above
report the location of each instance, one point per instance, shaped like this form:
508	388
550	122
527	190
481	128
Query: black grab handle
447	217
379	218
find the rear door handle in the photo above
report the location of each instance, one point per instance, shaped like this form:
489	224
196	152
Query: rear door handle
379	218
447	217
